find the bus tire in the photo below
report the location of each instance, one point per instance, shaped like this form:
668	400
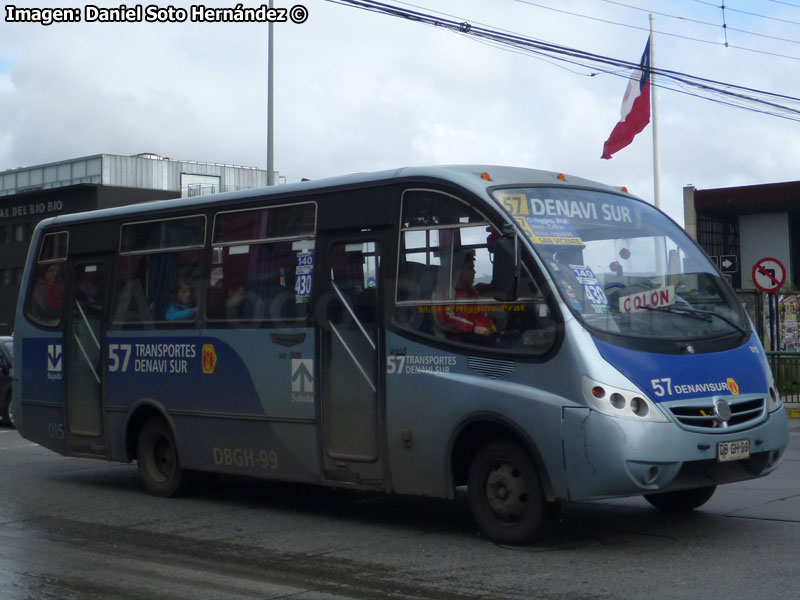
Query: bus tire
682	500
157	460
505	494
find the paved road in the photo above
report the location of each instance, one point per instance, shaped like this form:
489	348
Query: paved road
83	529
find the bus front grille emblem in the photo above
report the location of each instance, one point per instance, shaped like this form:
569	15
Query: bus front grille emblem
722	410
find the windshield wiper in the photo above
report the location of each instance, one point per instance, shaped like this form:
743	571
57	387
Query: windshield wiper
696	313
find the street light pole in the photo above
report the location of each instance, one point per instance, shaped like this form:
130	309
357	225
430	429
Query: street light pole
270	111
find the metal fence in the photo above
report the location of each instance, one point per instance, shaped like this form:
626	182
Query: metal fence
203	189
786	369
778	327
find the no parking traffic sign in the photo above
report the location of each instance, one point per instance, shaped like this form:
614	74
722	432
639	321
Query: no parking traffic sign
769	274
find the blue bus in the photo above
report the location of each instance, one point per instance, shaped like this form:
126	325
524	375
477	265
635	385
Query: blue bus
534	337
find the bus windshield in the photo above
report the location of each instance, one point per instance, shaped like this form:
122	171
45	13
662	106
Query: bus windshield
621	266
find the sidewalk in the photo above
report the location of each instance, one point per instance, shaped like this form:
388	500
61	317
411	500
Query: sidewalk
793	409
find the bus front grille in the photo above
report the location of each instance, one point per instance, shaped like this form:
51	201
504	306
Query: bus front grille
700	414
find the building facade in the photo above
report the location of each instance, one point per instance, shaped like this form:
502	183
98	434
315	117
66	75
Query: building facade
30	194
741	228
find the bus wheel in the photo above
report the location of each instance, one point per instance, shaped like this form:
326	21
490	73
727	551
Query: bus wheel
505	494
681	501
157	459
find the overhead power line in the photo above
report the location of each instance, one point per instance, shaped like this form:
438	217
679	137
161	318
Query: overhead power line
724	27
769	103
785	3
751	14
793	5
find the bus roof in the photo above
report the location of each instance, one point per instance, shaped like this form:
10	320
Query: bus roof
466	176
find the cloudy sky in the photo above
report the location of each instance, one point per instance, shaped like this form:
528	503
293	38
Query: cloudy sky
359	91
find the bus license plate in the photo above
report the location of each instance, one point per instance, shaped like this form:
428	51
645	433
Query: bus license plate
735	450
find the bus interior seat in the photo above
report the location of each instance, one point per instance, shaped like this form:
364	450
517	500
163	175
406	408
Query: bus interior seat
416	281
132	304
365	304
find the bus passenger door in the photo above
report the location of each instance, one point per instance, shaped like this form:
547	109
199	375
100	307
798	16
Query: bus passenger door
350	319
83	356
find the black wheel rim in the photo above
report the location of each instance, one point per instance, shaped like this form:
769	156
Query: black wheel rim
162	459
507	493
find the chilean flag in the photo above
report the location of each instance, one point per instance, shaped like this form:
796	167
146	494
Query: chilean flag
635	108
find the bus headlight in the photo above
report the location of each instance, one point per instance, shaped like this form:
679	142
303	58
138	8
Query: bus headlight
618	402
774	398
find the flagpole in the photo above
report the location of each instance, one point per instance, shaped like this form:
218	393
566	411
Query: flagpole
654	113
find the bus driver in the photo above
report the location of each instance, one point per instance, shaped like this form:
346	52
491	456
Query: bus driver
457	320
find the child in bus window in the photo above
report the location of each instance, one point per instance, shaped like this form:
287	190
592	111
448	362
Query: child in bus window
184	306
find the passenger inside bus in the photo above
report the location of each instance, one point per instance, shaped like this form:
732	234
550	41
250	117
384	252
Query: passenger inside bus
183	307
47	297
239	304
89	291
461	321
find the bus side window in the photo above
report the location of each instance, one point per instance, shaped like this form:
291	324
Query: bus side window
45	302
284	279
444	284
258	282
149	287
159	270
258	273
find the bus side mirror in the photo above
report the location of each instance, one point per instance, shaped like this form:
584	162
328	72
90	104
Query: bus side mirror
505	272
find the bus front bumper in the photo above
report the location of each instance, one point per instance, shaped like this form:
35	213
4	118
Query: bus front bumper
608	457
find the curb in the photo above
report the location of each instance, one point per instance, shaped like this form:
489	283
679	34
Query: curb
792	409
